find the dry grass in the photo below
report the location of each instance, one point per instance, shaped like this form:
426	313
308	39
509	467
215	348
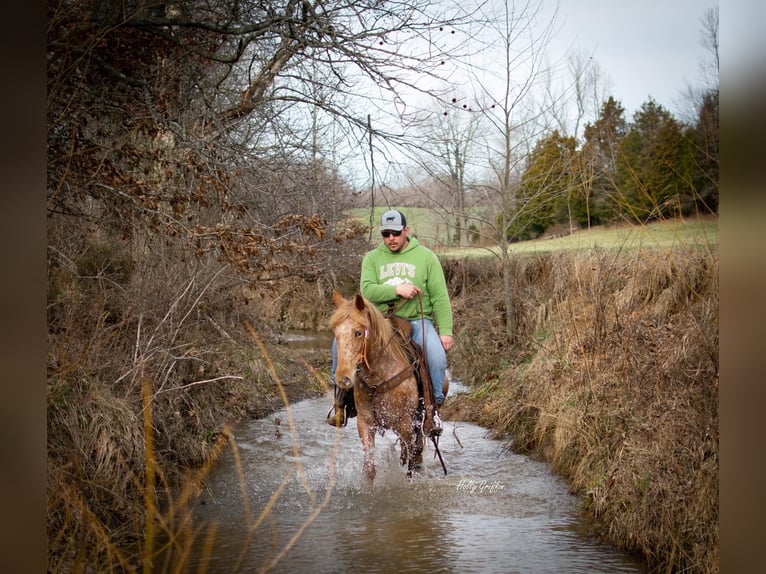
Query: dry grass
144	372
616	385
118	501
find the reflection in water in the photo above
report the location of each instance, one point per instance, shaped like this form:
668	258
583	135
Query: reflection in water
494	511
297	339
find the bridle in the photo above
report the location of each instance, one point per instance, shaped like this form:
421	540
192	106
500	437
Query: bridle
365	372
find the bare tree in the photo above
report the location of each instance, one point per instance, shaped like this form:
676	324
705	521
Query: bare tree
578	96
448	148
710	41
196	143
584	92
508	96
498	125
168	137
694	96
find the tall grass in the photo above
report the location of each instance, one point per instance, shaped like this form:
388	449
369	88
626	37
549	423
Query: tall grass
615	382
144	370
158	531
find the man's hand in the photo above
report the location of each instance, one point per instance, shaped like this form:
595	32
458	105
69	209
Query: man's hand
446	341
407	290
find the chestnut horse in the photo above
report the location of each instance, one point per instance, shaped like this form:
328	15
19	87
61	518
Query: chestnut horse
371	360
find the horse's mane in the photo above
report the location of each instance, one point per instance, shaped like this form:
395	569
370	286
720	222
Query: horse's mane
380	329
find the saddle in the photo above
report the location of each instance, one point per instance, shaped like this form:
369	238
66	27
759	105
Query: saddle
345	406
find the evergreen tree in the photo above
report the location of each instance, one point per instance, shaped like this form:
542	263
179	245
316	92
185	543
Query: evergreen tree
654	165
546	186
705	136
598	163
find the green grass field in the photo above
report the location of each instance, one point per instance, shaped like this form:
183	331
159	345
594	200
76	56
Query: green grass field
432	229
664	234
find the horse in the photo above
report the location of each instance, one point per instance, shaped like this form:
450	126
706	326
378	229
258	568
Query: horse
373	363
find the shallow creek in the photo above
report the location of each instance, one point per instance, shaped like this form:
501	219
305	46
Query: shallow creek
494	511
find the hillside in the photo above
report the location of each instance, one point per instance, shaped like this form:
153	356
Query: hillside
612	376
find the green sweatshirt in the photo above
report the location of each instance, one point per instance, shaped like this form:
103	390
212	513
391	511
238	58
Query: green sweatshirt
383	270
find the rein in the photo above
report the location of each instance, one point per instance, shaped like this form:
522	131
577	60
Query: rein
423	326
434	439
391	382
394	381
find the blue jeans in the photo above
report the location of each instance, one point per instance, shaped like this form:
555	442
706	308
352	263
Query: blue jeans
436	356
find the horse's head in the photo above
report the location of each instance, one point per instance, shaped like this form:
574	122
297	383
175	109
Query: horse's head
351	325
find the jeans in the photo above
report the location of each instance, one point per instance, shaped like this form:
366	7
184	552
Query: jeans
435	354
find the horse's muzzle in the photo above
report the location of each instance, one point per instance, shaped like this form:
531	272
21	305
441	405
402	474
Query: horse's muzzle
346	383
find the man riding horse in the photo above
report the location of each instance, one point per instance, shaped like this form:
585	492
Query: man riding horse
402	277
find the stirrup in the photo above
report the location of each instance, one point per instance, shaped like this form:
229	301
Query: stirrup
334	419
436	429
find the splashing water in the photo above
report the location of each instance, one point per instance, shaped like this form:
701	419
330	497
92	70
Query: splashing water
495	511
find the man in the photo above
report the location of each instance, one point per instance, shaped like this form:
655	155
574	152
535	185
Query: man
404	273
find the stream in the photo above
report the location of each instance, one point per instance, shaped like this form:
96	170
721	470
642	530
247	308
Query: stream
309	510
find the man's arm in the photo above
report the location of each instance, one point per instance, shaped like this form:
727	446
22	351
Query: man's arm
440	302
369	286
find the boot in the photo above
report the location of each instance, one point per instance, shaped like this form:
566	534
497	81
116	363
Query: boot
432	424
336	416
436	424
344	408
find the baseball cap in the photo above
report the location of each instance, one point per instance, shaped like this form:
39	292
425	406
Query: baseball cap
393	220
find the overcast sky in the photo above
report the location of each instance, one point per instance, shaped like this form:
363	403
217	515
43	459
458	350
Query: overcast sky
647	48
644	47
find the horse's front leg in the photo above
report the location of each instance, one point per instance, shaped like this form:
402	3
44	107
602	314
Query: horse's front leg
412	451
405	458
367	436
416	449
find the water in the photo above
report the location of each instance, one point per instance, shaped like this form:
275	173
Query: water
299	340
494	511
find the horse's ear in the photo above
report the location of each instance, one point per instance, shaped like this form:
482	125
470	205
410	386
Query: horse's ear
359	302
337	298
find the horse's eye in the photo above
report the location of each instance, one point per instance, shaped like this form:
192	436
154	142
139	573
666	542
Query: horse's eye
358	334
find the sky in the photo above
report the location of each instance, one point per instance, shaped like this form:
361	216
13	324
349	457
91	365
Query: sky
651	48
644	48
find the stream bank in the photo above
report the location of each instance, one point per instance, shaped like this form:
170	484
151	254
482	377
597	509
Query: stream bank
611	376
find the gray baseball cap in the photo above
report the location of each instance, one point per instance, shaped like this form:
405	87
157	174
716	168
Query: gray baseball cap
393	220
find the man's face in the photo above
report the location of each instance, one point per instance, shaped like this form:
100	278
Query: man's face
393	242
